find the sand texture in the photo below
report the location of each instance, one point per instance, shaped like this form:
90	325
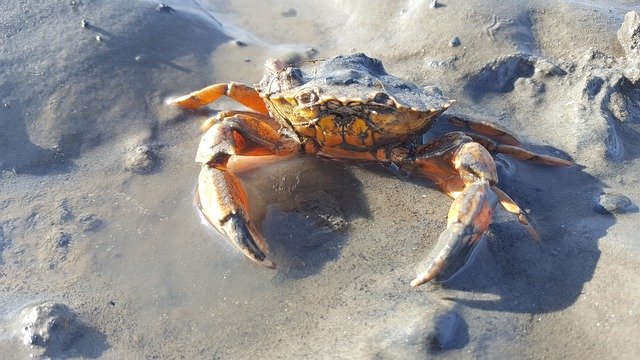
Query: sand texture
103	254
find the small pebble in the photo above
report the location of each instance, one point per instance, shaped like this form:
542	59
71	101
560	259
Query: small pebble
63	240
616	203
91	223
547	68
164	8
84	23
138	58
3	243
434	4
247	60
455	42
98	38
239	43
449	330
66	214
289	13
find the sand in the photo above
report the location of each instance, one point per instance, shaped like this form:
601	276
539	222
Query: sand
97	180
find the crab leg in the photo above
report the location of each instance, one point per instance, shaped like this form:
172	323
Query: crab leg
230	113
518	152
220	195
508	143
486	128
467	173
508	204
244	94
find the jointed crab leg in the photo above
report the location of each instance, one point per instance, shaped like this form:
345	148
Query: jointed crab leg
221	196
508	143
518	152
486	128
230	113
244	94
508	204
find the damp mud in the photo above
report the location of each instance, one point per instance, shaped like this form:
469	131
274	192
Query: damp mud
103	253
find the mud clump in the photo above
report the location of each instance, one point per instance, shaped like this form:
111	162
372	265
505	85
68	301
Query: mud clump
49	329
91	223
629	35
412	336
289	13
615	203
624	103
449	332
141	160
501	75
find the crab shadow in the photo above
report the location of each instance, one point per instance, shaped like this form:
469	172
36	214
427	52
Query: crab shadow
530	277
305	212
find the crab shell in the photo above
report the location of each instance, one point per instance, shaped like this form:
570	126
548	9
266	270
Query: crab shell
348	102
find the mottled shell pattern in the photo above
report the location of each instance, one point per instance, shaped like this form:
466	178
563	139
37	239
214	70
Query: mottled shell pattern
348	102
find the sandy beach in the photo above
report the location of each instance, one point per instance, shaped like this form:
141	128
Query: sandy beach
97	182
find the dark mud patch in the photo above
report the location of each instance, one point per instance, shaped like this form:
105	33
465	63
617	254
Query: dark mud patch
306	212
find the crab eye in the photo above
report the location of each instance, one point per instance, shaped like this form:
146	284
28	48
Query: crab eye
382	98
307	98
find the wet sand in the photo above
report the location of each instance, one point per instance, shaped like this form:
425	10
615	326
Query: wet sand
97	181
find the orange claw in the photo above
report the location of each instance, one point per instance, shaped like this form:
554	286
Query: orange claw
465	171
221	196
223	202
469	217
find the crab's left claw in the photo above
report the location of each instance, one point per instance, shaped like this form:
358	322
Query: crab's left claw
223	203
221	197
466	171
469	217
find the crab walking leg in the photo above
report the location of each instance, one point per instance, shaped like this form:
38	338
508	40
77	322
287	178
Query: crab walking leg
207	124
518	152
221	196
244	94
486	128
472	209
510	205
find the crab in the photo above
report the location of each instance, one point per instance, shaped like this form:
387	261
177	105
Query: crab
350	108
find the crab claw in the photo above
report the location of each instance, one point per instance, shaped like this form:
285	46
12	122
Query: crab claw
223	203
469	217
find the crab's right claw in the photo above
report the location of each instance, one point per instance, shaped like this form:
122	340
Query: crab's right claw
469	217
223	202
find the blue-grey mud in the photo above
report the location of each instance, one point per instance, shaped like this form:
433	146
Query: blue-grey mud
101	244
